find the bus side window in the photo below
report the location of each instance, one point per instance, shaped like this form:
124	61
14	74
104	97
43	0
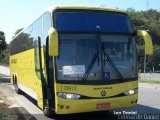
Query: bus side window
46	27
37	27
36	57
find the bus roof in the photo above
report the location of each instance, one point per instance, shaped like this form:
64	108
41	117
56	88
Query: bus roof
53	8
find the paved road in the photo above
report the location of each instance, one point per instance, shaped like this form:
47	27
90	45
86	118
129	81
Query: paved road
149	103
4	70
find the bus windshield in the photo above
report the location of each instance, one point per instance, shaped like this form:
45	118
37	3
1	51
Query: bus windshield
94	45
91	21
96	57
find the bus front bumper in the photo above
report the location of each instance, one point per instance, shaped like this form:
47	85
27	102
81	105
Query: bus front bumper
69	106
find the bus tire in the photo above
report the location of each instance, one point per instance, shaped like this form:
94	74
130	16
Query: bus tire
18	91
48	112
13	79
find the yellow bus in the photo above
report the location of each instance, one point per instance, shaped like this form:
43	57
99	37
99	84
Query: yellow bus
75	59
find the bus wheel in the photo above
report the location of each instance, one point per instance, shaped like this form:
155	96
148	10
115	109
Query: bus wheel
18	91
48	112
13	79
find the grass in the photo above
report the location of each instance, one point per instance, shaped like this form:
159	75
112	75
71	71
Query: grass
2	75
150	81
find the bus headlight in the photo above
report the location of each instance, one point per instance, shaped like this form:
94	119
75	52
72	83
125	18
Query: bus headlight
68	95
131	92
72	96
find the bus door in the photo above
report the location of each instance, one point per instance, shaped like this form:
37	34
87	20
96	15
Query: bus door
44	71
39	72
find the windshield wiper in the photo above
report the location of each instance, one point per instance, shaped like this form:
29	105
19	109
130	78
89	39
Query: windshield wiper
90	66
109	60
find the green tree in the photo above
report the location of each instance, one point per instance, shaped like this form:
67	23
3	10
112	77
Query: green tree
17	31
3	49
148	20
3	43
154	60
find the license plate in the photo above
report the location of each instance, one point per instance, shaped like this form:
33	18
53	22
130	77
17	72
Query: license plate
103	105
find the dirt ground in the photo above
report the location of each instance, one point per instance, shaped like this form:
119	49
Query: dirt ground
9	107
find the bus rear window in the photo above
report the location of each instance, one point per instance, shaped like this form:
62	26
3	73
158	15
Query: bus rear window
92	21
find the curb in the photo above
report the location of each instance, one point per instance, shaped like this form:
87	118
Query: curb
148	85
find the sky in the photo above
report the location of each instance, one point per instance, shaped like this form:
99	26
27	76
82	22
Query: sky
19	13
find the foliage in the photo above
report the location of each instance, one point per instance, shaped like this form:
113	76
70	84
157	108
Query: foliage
4	52
4	56
147	20
3	44
154	60
17	31
150	21
4	48
150	81
2	75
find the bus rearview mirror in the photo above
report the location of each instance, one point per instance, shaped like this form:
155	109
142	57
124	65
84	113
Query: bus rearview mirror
147	40
53	42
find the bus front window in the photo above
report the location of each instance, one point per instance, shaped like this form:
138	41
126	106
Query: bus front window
78	54
89	57
119	56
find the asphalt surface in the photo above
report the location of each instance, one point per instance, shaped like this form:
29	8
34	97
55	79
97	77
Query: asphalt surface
10	109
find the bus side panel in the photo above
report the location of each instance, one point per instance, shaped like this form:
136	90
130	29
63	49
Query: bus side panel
22	66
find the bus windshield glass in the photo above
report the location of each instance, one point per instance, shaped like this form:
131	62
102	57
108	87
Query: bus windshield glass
96	57
94	45
119	57
77	53
91	21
